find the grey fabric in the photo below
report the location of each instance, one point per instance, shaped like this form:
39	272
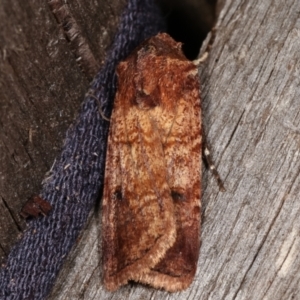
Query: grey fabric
76	181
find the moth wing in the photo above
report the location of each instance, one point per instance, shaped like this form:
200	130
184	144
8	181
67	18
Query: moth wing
138	210
182	154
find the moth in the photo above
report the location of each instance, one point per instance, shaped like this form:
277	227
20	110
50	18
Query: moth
151	200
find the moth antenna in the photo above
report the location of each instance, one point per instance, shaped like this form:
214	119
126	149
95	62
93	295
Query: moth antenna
204	56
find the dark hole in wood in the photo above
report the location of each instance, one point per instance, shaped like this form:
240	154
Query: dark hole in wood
189	21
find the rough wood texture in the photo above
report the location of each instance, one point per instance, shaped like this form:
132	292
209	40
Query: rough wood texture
250	238
41	88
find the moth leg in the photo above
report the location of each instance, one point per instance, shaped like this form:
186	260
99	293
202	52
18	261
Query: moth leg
210	164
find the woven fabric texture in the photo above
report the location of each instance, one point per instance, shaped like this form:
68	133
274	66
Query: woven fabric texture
76	180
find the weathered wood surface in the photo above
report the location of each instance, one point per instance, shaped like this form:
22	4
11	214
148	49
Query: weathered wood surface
251	109
41	89
250	233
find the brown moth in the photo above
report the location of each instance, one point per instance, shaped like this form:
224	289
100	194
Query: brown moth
151	202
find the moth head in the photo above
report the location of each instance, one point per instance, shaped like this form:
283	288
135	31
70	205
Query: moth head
163	45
